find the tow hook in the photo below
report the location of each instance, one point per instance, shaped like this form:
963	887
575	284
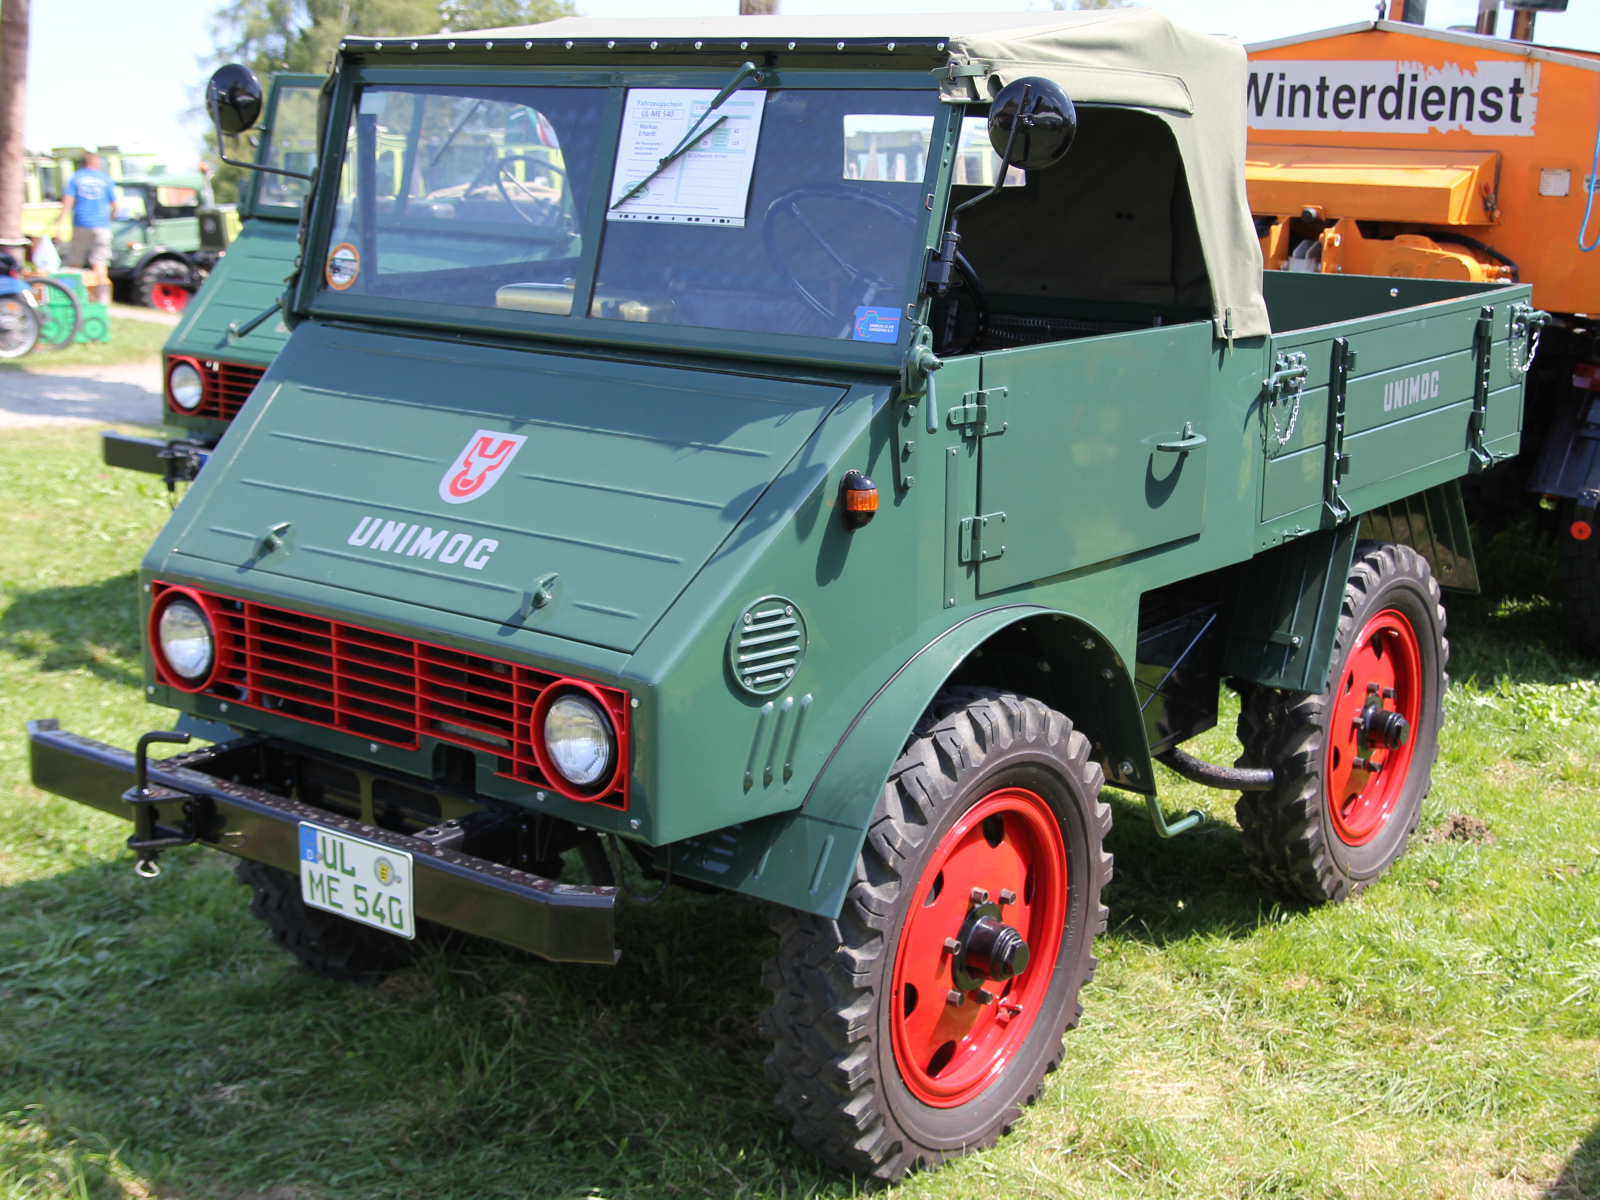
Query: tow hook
150	839
985	949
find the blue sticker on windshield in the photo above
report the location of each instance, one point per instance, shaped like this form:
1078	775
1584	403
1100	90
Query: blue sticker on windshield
877	324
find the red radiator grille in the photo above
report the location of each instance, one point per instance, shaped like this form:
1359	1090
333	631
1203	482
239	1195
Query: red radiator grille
391	689
225	387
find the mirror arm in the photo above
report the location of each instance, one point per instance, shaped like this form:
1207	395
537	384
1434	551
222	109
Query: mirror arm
233	162
941	267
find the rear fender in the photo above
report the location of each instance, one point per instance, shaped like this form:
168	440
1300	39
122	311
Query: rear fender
805	859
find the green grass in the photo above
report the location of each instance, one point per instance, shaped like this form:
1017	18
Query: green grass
1439	1037
132	341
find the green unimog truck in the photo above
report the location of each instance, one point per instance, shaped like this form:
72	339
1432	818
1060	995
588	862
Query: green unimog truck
807	457
223	343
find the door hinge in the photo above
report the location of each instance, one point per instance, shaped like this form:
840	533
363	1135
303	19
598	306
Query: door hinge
980	537
1337	464
1483	347
971	416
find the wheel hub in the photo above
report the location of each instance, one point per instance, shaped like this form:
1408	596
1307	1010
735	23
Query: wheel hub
987	949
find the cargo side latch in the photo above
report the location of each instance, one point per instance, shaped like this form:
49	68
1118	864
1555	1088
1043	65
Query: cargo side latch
1337	463
1284	387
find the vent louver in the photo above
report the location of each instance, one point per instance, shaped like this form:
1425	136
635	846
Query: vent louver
767	645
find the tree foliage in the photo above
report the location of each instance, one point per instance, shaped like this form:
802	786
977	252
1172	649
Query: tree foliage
302	35
270	36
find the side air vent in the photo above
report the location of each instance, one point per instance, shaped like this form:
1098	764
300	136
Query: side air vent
767	645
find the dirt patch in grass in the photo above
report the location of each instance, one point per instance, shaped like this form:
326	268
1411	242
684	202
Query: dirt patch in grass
1460	827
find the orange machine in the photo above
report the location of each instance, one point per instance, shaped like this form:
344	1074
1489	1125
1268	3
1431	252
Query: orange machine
1399	150
1386	148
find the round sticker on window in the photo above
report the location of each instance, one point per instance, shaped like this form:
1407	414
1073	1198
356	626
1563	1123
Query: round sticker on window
344	265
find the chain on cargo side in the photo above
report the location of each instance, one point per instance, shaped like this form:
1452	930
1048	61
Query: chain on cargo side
1289	372
1527	323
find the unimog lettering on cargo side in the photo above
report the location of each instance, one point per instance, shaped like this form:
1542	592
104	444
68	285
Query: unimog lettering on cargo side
902	446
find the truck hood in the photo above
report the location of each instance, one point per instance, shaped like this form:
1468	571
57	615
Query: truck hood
245	280
574	496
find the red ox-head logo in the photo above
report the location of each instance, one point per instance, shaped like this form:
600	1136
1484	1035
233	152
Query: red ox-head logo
478	466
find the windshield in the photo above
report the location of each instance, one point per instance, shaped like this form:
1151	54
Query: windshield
449	194
815	235
291	145
130	204
792	212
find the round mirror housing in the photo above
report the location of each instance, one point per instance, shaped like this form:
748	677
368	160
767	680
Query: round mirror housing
1045	123
233	97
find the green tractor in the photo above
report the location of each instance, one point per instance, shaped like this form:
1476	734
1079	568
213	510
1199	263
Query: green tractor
687	460
166	235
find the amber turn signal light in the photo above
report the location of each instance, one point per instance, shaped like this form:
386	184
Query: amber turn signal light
858	499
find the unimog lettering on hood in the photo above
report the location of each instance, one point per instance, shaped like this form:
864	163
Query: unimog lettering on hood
395	536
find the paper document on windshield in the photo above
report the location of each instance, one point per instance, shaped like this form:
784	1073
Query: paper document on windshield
710	183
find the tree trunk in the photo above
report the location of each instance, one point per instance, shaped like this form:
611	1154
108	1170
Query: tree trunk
13	104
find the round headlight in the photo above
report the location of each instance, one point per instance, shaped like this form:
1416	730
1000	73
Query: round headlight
187	644
186	386
579	740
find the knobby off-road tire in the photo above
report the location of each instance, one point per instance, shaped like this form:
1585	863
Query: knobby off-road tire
1327	829
991	786
327	944
164	284
1578	580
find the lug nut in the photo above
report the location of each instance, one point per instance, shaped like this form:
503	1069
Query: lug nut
952	945
955	999
1007	896
980	896
983	997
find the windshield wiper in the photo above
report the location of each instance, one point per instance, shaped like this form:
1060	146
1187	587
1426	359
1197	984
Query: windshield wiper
695	133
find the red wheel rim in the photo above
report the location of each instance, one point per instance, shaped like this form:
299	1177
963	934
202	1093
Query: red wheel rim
1010	842
168	297
1364	778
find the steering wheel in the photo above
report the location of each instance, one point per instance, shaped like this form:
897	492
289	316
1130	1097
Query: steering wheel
862	285
502	175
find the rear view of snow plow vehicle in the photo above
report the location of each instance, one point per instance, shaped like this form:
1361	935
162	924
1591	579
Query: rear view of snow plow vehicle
1389	149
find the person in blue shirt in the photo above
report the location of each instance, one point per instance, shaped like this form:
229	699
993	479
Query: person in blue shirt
86	201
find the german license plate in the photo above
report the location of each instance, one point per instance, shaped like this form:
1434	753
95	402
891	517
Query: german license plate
365	881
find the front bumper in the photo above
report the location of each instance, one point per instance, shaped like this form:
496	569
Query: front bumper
561	922
177	461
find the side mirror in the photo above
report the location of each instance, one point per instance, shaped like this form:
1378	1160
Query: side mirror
1043	118
233	97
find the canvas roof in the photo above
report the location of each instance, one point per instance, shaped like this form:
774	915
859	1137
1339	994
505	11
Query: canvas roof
1133	57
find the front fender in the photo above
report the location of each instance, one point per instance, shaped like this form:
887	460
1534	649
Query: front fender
805	859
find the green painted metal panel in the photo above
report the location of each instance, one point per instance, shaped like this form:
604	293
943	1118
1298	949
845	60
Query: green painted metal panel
1292	483
629	478
1383	457
1306	300
248	278
1076	471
